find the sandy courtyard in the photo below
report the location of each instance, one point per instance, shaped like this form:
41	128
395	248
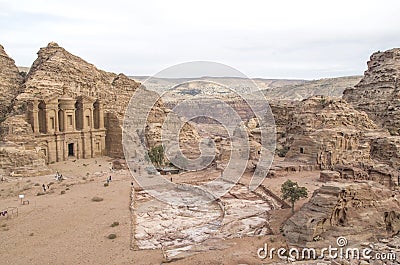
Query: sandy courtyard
70	228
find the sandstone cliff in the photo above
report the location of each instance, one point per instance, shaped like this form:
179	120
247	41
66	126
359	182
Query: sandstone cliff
326	132
378	92
10	83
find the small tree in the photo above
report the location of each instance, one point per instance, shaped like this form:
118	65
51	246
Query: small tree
156	155
291	190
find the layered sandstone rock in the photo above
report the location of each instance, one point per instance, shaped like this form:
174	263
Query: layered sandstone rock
387	150
328	132
10	83
378	93
56	72
281	111
328	175
16	161
350	210
18	153
16	129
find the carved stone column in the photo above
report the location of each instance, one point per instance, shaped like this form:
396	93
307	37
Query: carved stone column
35	116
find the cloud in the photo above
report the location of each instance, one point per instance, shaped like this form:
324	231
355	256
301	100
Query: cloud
276	39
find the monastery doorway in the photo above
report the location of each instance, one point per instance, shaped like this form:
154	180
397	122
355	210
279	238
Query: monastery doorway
71	149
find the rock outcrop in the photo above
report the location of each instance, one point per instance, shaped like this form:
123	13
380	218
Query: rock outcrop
10	83
18	153
378	92
16	129
378	95
56	72
343	209
327	132
387	150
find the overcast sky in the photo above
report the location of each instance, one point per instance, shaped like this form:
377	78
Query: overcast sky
270	39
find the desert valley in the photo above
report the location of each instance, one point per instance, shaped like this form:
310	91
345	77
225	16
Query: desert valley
69	194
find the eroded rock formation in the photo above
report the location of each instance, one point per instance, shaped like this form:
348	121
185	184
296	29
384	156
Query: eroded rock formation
328	132
378	92
18	153
10	83
343	209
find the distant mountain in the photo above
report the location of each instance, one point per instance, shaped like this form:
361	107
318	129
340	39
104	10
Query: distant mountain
273	89
332	87
23	69
237	83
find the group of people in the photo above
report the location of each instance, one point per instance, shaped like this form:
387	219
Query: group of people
45	187
58	176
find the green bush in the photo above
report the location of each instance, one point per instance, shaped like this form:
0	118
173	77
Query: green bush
112	236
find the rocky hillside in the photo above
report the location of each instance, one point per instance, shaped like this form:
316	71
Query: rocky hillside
10	82
378	93
321	112
328	132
